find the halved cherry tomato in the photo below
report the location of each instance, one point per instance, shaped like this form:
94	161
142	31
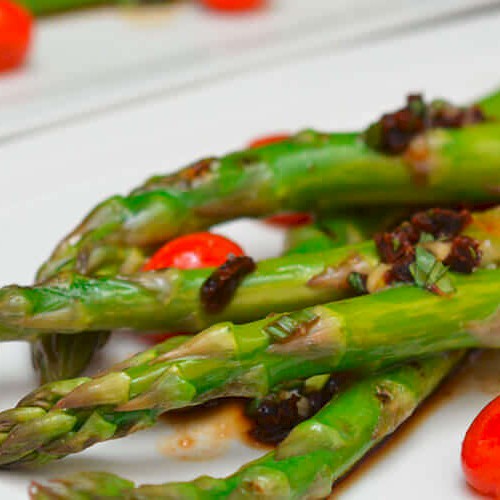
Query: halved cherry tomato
269	139
192	251
481	451
233	5
15	34
292	219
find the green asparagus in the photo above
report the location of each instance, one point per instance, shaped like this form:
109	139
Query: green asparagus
314	455
312	171
364	333
170	299
48	7
341	230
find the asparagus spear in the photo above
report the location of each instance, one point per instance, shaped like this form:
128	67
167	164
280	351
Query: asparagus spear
170	299
48	7
56	357
463	163
312	171
364	333
44	7
315	454
341	230
92	484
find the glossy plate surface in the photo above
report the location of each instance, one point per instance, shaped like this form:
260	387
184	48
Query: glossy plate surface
96	59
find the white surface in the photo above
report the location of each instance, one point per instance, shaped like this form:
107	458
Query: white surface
49	181
95	59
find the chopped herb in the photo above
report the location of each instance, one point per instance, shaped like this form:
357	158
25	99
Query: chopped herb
430	273
426	237
357	281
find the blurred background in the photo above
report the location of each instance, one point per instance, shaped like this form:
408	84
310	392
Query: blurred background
61	59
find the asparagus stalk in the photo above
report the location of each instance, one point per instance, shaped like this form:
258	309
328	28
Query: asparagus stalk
311	171
48	7
341	230
314	455
464	164
92	484
364	333
45	7
170	299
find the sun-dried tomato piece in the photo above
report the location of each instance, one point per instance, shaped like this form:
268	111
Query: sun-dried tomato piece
399	128
393	247
445	115
441	222
221	285
400	270
278	413
394	132
465	255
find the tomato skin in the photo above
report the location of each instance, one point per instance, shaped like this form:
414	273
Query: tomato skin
269	139
233	5
15	34
481	451
192	251
156	338
292	219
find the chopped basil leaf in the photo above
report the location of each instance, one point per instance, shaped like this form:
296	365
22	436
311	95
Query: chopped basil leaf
357	282
426	237
428	272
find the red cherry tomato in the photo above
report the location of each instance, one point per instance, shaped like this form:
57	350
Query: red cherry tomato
292	219
270	139
481	451
193	251
233	5
15	34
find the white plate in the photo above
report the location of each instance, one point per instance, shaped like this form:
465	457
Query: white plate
50	180
95	59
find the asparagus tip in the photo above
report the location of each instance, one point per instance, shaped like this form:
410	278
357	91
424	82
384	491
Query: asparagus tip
112	388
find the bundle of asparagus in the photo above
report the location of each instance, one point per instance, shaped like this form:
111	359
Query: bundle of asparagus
405	306
422	154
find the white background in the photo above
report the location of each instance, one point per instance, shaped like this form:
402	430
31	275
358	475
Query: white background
93	60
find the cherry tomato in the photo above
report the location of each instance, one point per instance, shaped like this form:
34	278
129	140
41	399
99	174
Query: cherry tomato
270	139
481	451
193	251
233	5
15	34
292	219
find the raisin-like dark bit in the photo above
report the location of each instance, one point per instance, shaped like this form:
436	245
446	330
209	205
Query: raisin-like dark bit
441	222
278	413
400	270
392	247
220	287
465	255
445	115
393	133
399	128
274	418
